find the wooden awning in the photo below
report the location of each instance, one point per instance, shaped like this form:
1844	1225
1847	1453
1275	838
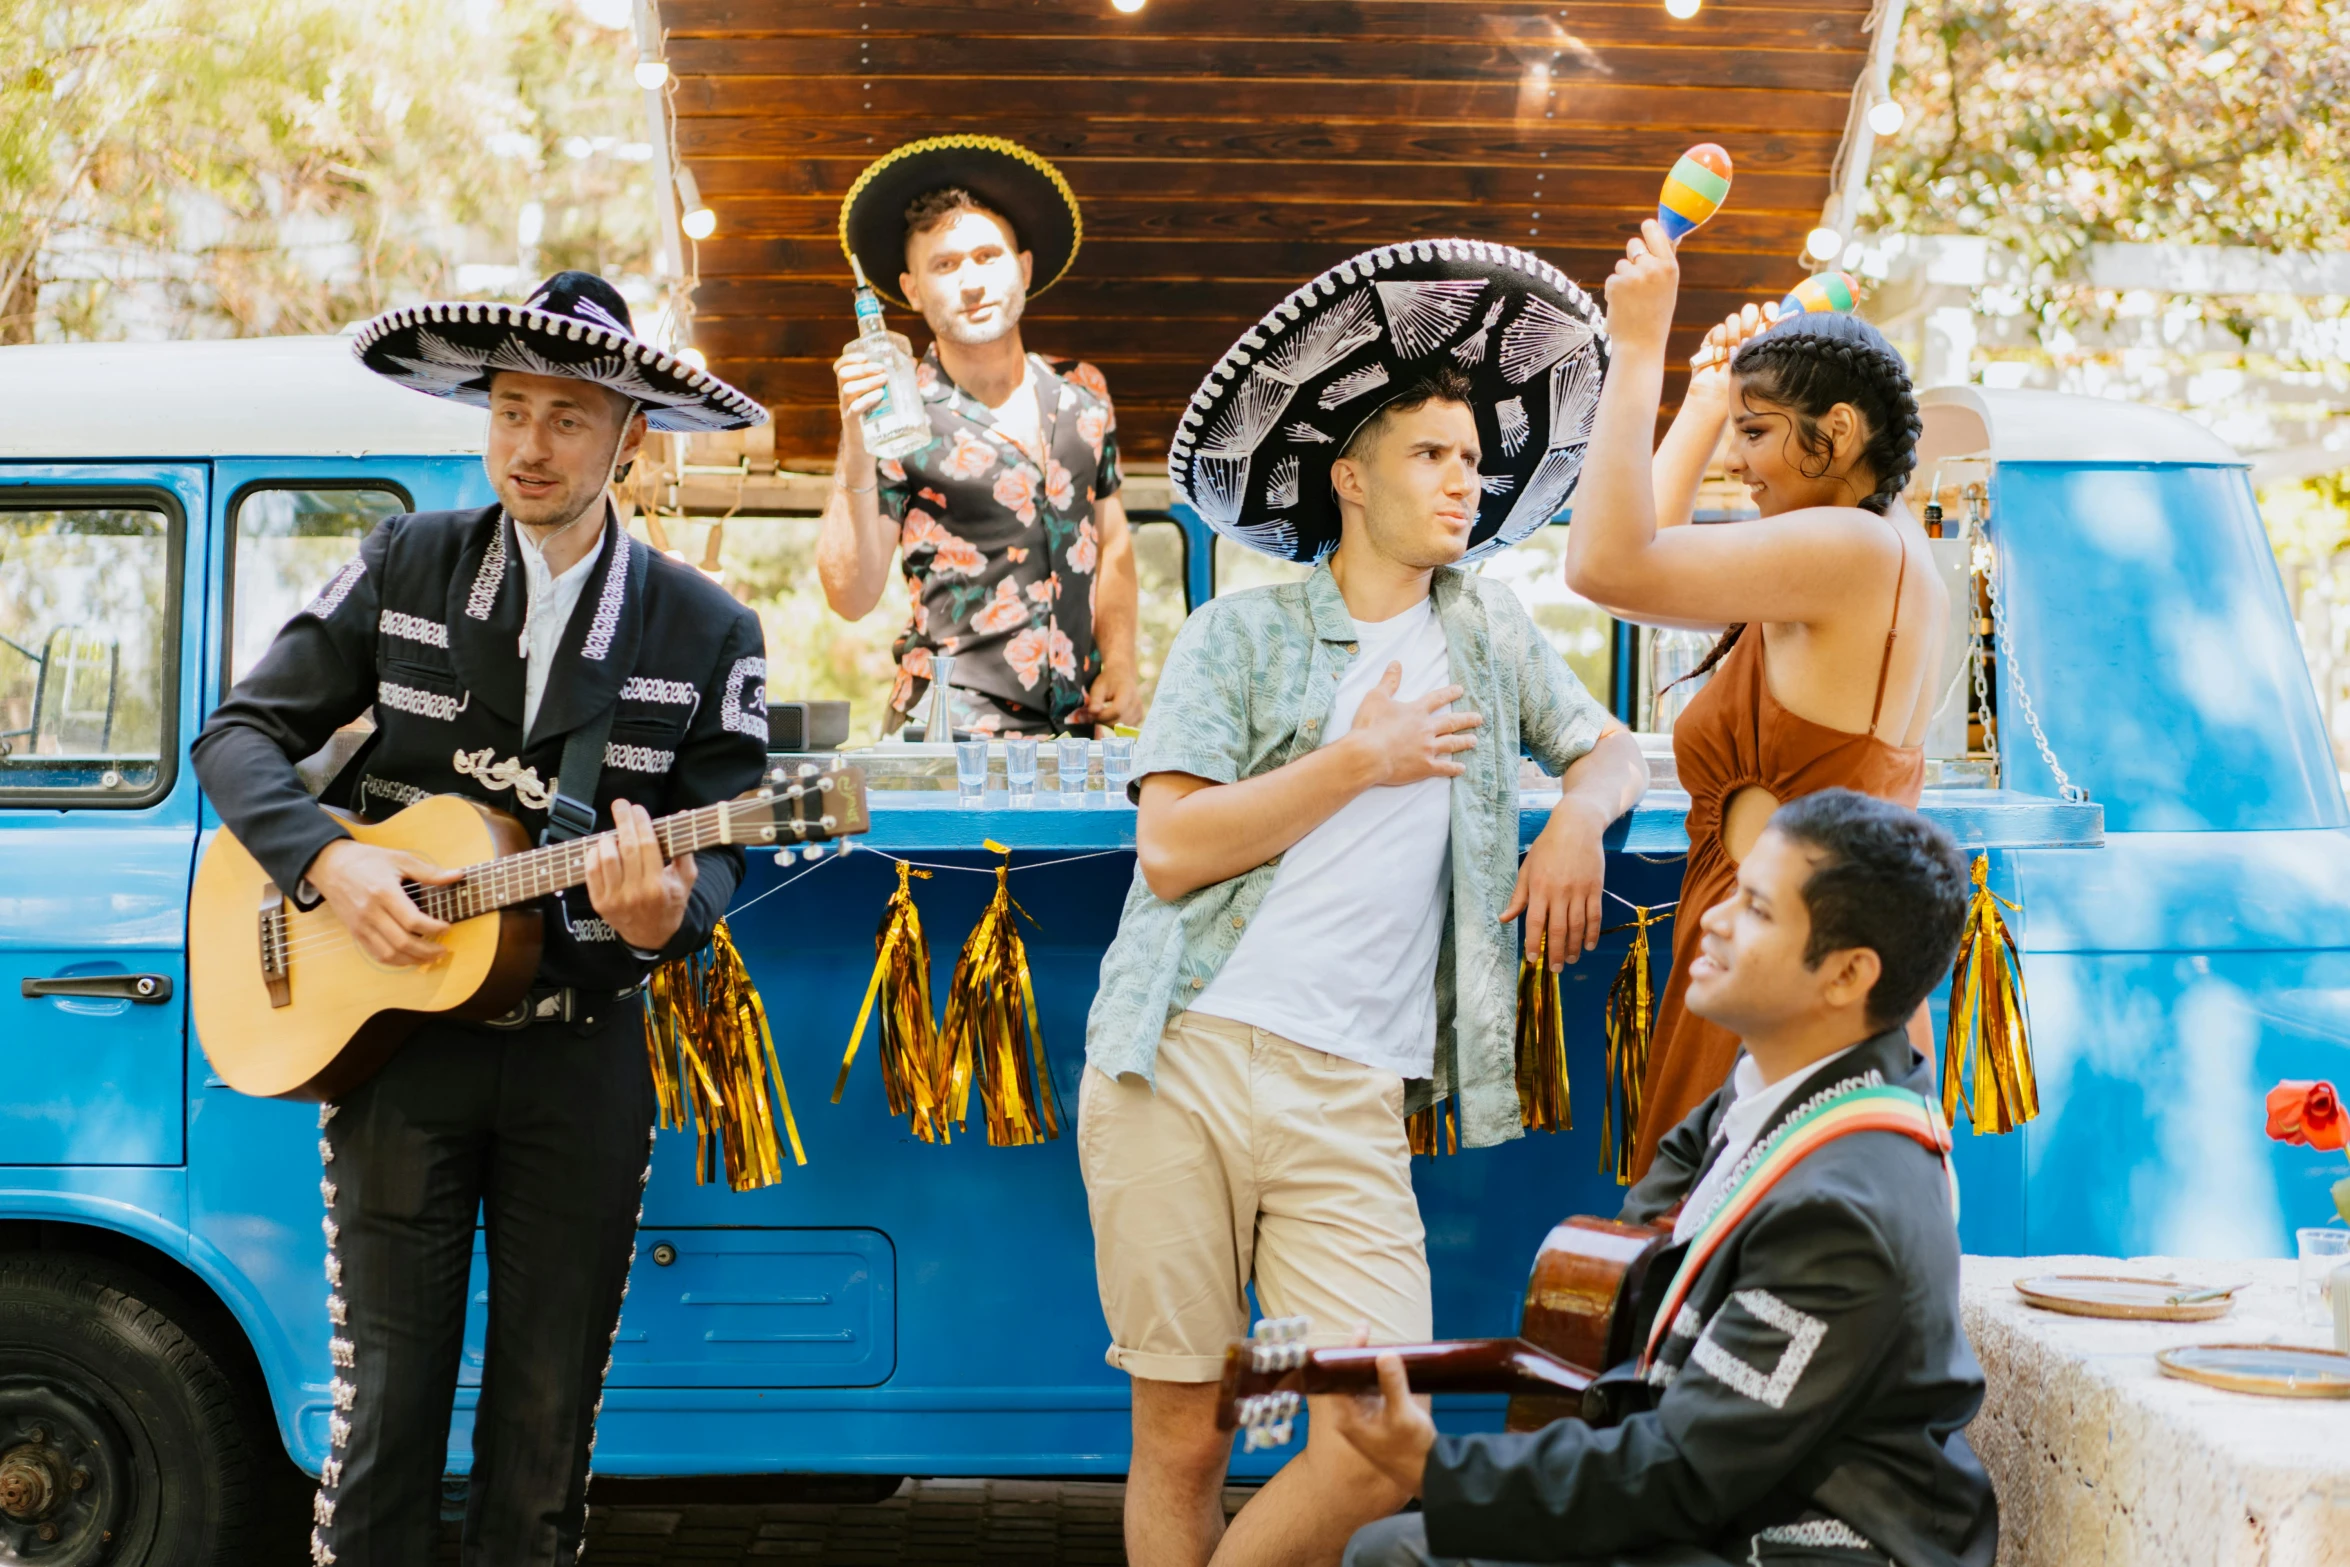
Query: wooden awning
1227	150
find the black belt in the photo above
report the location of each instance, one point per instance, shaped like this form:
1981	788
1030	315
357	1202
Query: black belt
557	1004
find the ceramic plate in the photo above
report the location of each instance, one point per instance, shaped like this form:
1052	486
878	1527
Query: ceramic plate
2278	1370
2141	1300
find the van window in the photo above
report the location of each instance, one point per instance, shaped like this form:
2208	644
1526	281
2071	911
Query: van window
85	651
289	540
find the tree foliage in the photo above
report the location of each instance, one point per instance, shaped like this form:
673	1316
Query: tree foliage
2048	125
231	167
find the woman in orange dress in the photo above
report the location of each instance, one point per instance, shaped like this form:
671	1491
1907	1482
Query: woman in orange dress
1825	676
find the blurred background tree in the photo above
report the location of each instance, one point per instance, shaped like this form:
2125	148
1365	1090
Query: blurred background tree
233	167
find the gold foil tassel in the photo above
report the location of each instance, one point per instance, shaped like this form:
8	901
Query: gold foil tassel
712	1056
1434	1130
916	1074
1631	1021
991	1023
1987	1025
1542	1047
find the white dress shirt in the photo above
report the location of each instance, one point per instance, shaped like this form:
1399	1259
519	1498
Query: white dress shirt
1755	1105
551	600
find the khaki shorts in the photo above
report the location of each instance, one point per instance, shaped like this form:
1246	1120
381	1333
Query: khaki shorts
1256	1159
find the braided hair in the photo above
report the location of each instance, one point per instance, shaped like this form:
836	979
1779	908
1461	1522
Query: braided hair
1807	364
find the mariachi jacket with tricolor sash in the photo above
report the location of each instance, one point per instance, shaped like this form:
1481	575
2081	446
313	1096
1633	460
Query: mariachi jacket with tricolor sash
425	626
1807	1401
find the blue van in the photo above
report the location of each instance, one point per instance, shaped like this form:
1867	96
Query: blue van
897	1308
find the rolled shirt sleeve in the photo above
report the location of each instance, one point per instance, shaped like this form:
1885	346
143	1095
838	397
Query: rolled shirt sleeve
1558	720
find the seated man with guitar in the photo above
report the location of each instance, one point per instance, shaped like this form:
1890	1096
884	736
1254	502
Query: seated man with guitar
528	657
1802	1385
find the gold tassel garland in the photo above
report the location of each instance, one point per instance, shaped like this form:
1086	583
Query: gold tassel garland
1542	1047
991	1024
1631	1023
1987	1022
917	1074
1434	1130
712	1055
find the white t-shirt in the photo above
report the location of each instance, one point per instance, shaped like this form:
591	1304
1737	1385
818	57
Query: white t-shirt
1342	953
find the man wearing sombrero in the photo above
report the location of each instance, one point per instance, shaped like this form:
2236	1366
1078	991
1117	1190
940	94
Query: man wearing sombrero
531	656
1319	936
1008	522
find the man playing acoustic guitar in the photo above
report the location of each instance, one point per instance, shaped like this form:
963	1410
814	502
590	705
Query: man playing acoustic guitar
534	658
1805	1385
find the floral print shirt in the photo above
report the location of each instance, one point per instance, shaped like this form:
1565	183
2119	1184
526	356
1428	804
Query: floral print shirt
1000	552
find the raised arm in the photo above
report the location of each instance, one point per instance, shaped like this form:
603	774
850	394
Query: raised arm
1792	567
1679	465
857	537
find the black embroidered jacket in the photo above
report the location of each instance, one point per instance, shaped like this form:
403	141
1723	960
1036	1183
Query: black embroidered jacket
1809	1401
425	626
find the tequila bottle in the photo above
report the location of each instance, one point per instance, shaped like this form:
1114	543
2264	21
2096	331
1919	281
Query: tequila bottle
898	424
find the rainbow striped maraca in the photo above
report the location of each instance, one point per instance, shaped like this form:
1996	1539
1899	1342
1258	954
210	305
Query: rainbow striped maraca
1694	191
1835	291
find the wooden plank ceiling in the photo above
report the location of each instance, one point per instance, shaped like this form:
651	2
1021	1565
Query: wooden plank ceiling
1227	150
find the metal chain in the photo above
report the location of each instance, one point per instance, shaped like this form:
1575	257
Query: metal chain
2012	672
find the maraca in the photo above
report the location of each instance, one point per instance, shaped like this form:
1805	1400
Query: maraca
1834	291
1694	191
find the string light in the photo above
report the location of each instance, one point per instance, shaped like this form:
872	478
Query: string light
699	221
694	357
1823	243
1681	10
652	75
1127	6
1886	116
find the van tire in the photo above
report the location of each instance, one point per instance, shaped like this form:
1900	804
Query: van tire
122	1438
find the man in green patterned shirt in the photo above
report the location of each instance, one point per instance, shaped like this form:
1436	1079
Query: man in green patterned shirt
1319	932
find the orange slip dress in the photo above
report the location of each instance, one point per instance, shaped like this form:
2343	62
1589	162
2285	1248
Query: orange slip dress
1734	734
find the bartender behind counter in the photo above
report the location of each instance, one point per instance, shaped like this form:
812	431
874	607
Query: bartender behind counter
1014	541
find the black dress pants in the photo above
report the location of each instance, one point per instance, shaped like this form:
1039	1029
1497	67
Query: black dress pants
545	1133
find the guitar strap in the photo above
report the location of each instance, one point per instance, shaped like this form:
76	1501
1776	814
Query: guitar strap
571	812
1867	1107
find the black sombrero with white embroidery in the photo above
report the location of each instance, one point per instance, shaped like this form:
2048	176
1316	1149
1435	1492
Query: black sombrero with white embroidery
1252	454
576	325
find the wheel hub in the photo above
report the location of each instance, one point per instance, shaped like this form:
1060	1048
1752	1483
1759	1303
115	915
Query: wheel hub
64	1474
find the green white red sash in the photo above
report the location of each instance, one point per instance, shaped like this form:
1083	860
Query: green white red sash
1867	1107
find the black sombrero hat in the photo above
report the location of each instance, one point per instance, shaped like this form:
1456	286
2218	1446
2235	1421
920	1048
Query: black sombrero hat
576	325
1253	452
1005	175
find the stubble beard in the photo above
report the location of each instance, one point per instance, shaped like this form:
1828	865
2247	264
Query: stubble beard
956	330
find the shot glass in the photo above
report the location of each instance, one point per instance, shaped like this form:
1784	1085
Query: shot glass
1075	759
2323	1249
1117	763
971	768
1020	765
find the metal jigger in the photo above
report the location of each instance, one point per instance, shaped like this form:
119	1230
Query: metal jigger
942	707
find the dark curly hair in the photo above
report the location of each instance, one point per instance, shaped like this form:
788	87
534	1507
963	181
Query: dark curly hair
1807	364
1887	879
933	207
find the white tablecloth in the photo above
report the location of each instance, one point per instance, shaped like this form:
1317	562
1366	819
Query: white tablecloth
2101	1459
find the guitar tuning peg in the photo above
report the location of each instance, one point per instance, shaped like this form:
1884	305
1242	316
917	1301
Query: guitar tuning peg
825	783
808	769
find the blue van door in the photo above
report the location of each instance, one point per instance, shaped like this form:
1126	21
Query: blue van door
99	619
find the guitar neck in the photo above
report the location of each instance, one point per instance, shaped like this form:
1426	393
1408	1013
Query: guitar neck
520	878
1487	1365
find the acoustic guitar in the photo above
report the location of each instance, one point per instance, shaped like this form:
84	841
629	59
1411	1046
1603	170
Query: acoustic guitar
1580	1300
289	1006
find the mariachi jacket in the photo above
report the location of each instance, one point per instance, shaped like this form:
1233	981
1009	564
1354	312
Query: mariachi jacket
1808	1403
425	625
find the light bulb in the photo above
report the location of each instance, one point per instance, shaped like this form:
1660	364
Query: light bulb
1127	6
694	356
700	223
1886	116
1681	10
652	75
1823	243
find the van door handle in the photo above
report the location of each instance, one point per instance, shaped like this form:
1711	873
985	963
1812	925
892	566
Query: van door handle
154	989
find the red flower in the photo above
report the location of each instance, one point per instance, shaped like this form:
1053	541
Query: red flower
916	662
970	458
2306	1114
1026	654
958	557
1002	612
1084	550
1015	491
892	470
1059	488
1091	426
1085	375
920	531
1064	654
